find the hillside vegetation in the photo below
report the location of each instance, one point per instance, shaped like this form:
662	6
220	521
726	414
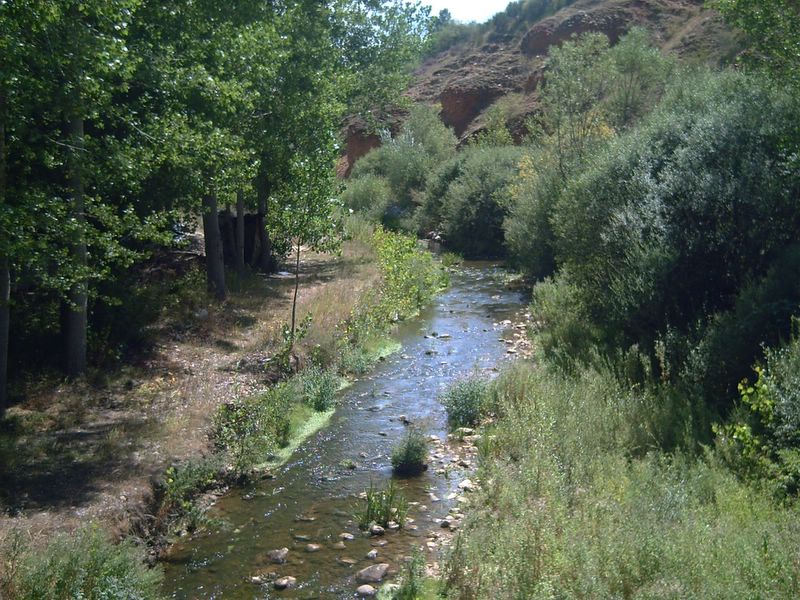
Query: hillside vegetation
652	450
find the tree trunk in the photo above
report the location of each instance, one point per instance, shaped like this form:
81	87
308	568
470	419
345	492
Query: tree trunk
265	247
294	298
240	231
5	274
76	317
215	268
5	323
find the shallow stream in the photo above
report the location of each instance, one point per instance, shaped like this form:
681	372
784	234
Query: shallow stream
313	497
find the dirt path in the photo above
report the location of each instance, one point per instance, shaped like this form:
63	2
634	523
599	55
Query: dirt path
86	452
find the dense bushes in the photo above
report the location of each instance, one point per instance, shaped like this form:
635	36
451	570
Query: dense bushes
84	564
577	501
464	402
387	182
476	201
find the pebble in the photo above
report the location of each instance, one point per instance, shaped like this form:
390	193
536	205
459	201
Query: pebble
313	548
283	583
366	591
372	574
377	530
339	546
347	536
372	554
467	485
278	556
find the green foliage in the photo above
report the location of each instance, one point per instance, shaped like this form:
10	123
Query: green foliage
382	506
528	231
410	455
638	74
495	132
561	322
84	564
772	29
404	162
319	387
413	583
249	431
476	199
465	402
762	441
577	501
182	484
670	222
369	195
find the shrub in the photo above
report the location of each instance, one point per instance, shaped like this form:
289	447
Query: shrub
578	501
369	195
476	200
464	402
409	456
762	440
667	224
528	232
382	507
84	564
404	162
319	387
249	430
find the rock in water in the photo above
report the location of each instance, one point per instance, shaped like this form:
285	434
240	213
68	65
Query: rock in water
283	583
278	556
366	591
372	574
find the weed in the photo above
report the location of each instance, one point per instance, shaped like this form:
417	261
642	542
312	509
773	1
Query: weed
319	387
382	507
409	456
83	564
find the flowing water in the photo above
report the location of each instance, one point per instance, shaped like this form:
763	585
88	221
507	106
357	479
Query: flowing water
314	495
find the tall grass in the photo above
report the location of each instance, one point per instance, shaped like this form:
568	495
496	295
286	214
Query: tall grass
578	501
83	565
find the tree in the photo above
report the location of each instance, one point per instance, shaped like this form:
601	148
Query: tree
773	30
573	89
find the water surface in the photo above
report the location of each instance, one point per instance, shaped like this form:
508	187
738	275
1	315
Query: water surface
314	495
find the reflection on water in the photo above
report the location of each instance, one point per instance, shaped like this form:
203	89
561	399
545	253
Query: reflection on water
313	496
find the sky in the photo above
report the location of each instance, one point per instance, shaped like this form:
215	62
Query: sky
468	10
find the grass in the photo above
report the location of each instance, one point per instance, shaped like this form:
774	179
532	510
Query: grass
382	506
409	456
84	564
580	501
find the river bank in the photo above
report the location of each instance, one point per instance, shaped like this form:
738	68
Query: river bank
308	507
105	463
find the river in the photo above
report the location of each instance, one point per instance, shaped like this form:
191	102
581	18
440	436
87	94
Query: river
313	496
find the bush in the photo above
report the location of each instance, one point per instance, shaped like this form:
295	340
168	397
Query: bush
528	232
669	223
476	201
578	501
464	402
369	195
409	456
250	430
762	441
84	564
403	162
319	387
